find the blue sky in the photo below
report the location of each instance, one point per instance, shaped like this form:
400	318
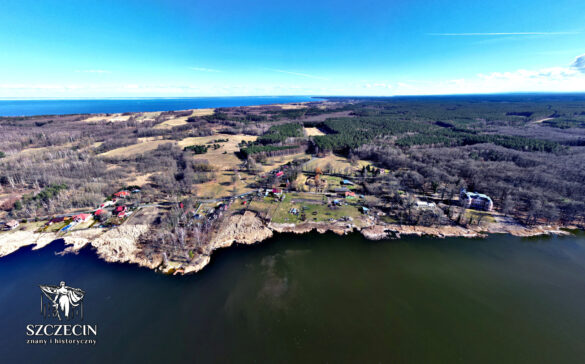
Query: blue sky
217	48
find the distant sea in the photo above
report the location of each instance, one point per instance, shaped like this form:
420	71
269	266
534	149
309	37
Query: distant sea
118	105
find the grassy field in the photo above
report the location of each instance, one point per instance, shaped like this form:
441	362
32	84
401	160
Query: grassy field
224	157
183	120
314	209
334	163
172	122
146	145
274	162
139	180
215	157
313	132
474	216
111	118
223	185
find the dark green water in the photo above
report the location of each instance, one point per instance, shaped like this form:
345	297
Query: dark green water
319	298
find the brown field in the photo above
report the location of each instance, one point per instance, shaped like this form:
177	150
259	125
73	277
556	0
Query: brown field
274	162
337	163
146	145
313	132
217	157
223	186
183	120
139	180
299	105
111	118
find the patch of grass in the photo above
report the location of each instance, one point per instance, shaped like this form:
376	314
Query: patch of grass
475	215
314	209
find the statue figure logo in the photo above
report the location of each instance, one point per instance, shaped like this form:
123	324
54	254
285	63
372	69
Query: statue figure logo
62	301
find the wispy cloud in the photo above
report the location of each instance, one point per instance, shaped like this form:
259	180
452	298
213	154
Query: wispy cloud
203	69
93	71
499	34
579	63
306	75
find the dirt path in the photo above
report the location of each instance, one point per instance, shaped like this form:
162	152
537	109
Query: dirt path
540	121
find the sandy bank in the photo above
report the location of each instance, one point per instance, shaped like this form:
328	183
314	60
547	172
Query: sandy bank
120	244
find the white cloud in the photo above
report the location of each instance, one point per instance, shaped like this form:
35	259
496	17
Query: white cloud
579	63
203	69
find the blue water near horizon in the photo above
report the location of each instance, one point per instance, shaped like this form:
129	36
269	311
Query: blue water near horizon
34	107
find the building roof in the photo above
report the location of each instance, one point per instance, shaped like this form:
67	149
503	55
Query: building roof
475	195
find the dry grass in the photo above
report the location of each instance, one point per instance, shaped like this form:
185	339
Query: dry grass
172	122
183	120
292	106
111	118
139	180
202	112
148	115
313	132
217	157
337	163
144	146
223	185
274	162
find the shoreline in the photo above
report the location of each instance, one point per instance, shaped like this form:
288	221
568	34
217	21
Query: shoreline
119	245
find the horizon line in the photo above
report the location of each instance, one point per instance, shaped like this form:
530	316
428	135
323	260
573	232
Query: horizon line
292	95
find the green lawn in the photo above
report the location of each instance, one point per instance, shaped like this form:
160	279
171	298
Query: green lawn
314	210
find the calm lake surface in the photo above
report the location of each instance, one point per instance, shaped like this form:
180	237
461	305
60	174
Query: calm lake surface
78	106
318	298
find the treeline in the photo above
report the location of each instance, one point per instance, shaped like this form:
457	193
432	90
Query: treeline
566	122
453	139
279	133
351	133
269	150
197	149
286	114
42	197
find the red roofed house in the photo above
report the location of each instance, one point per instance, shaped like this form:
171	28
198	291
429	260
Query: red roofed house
120	211
98	212
277	191
279	173
122	194
349	194
82	217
